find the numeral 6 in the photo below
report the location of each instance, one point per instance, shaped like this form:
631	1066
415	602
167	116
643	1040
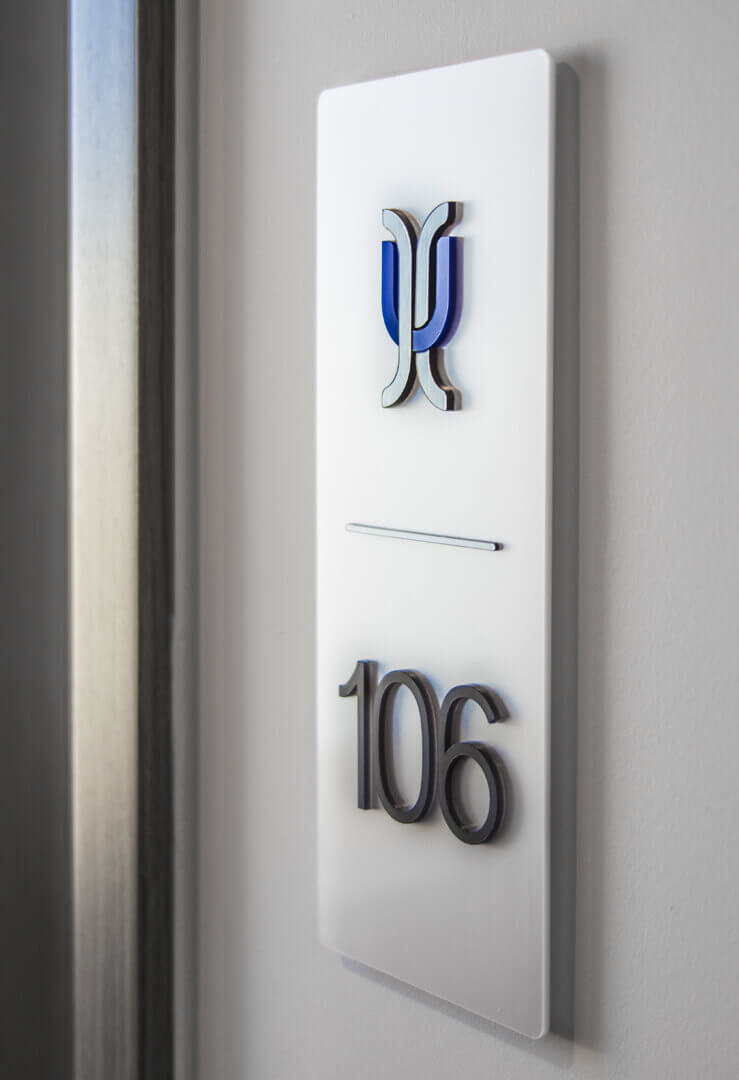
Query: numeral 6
452	754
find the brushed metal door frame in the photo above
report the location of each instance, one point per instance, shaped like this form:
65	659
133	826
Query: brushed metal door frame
120	461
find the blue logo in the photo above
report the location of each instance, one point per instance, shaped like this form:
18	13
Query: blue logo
420	302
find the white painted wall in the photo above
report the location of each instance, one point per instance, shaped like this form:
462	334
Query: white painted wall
657	956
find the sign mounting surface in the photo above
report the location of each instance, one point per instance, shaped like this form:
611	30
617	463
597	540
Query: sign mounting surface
434	876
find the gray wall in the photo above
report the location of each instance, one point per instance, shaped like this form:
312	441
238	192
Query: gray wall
35	897
657	951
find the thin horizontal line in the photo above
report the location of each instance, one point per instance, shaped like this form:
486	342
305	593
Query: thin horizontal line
424	537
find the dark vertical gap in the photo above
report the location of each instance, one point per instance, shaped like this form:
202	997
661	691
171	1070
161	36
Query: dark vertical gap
156	565
35	817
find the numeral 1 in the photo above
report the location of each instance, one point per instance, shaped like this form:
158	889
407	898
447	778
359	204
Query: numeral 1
361	685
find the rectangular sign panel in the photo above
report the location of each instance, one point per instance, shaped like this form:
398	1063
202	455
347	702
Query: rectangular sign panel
434	446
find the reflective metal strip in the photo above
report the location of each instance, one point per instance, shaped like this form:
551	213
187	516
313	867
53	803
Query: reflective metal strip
427	538
103	523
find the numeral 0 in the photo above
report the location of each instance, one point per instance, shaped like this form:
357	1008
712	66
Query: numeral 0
372	744
383	716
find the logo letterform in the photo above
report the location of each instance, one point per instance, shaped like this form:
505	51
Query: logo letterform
420	302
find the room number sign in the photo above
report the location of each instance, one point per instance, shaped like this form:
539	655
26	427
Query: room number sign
434	493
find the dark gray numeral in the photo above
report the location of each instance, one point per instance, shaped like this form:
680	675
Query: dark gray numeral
361	685
383	715
452	754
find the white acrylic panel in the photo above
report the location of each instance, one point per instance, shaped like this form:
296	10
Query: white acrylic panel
469	924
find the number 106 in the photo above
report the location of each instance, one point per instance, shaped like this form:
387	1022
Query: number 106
441	754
